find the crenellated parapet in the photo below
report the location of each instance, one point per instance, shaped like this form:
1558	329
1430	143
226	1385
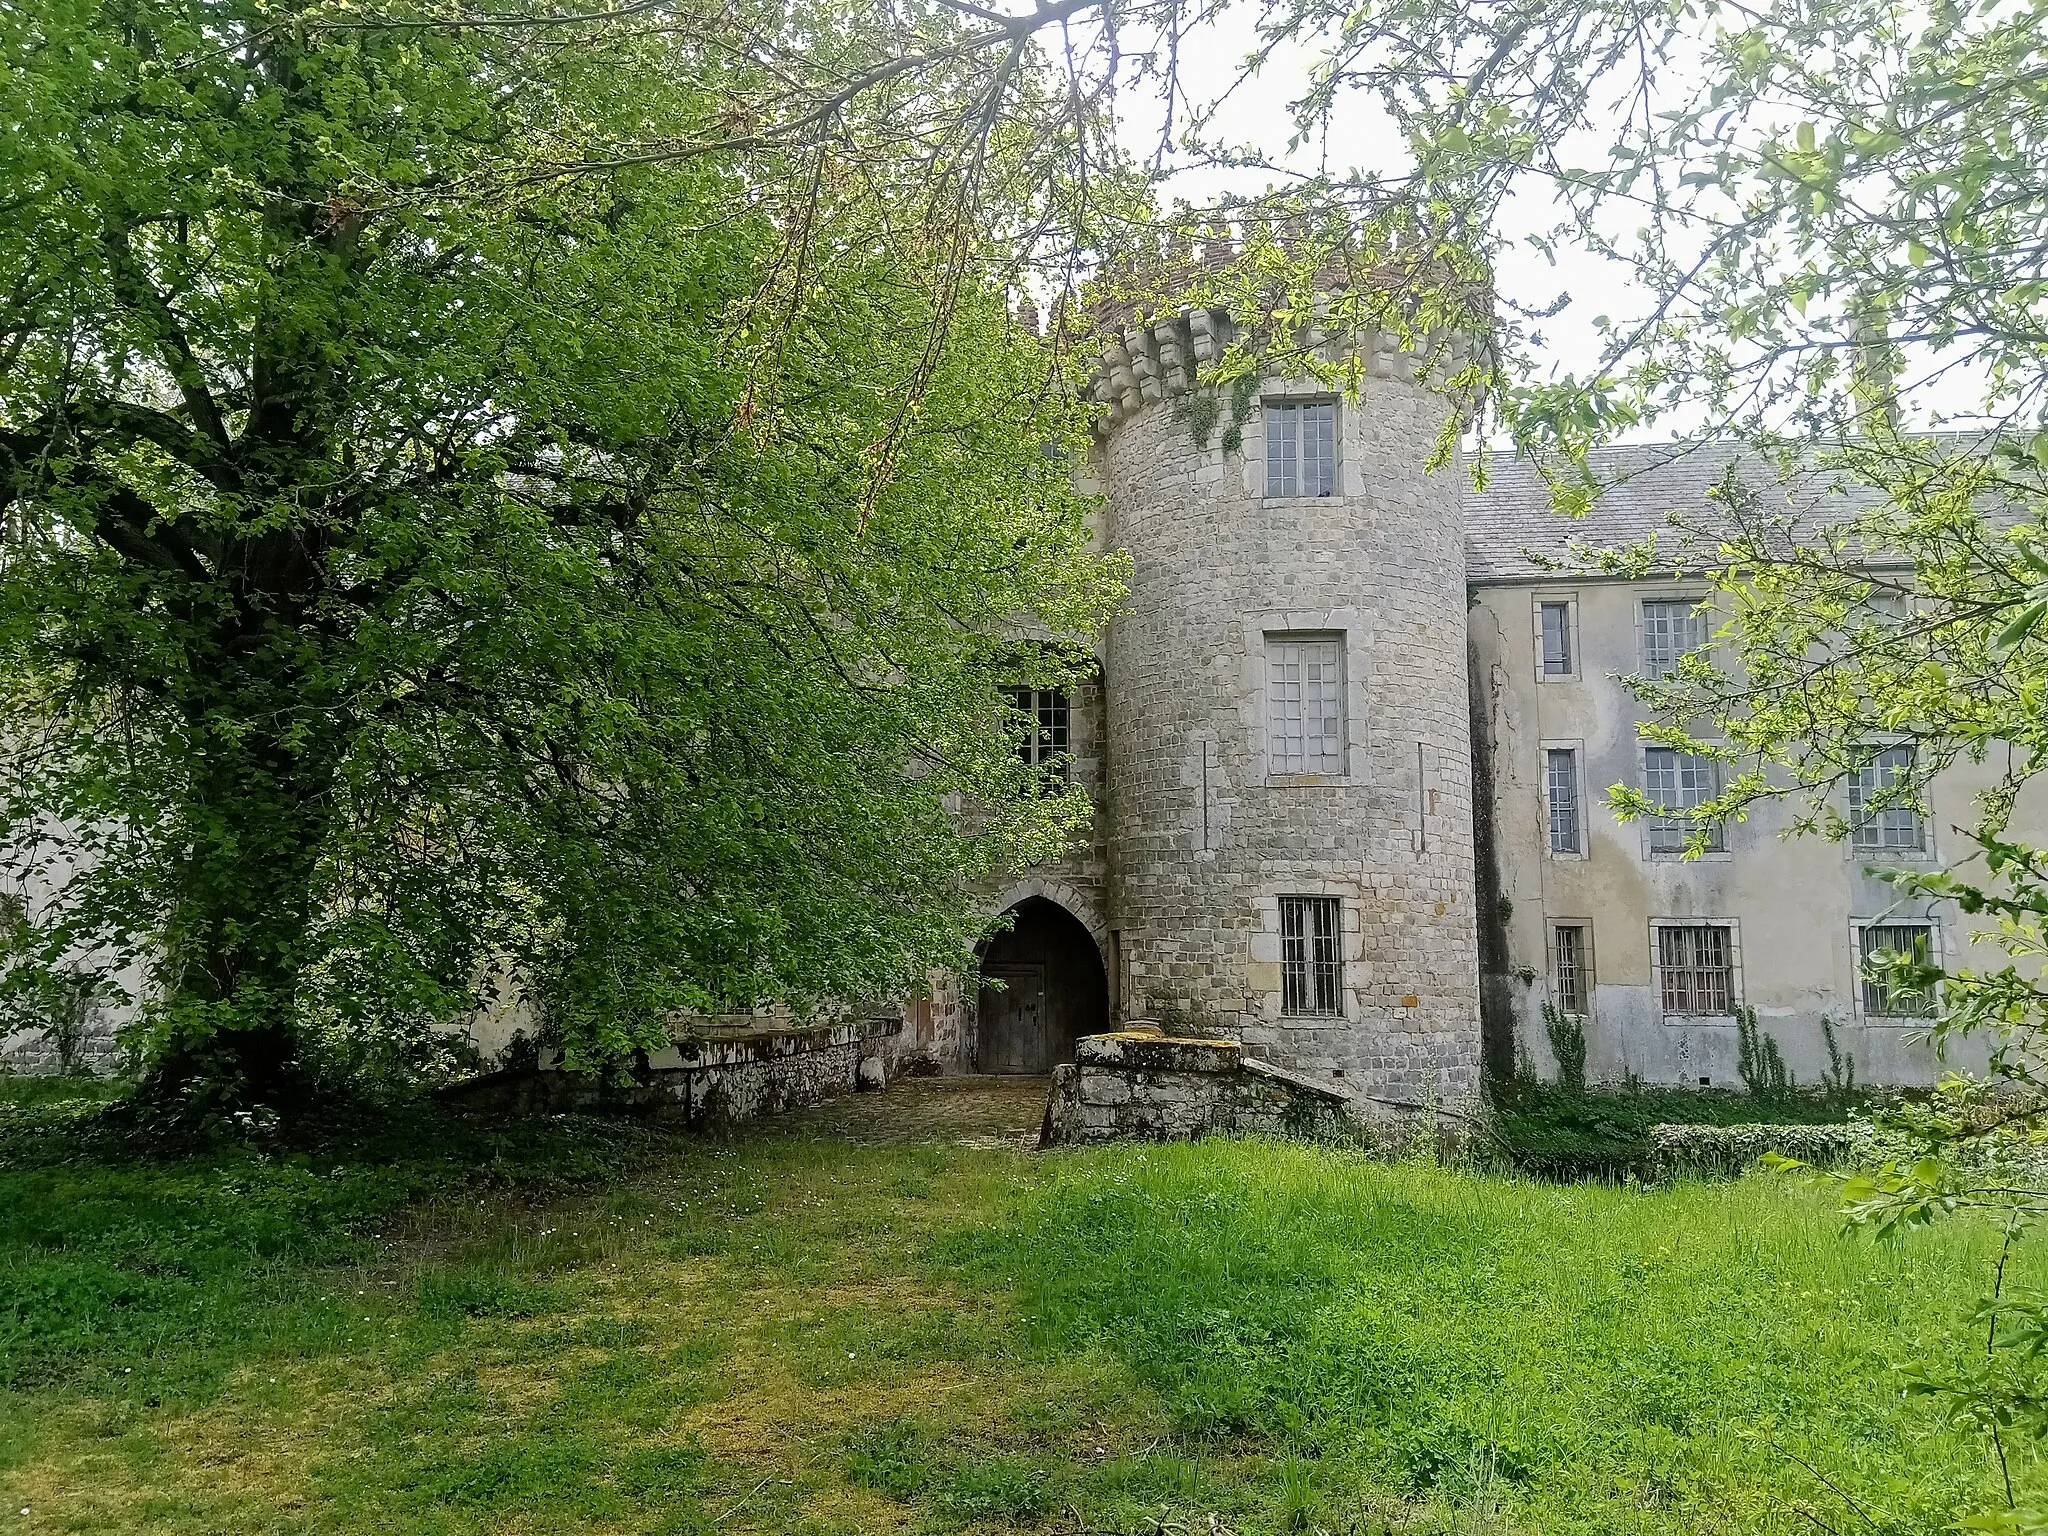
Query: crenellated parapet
1146	361
1262	298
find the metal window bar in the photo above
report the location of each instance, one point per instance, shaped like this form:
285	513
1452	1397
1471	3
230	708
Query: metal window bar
1895	825
1679	781
1557	639
1305	705
1562	773
1311	964
1568	972
1670	630
1696	970
1283	449
1879	997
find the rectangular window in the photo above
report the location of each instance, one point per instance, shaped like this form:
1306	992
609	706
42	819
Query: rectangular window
1301	448
1311	969
1562	772
1895	825
1305	704
1696	966
1042	740
1679	781
1670	630
1568	970
1556	621
1880	997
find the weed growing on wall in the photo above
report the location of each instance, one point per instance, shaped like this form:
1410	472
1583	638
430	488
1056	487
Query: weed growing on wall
1758	1059
1567	1032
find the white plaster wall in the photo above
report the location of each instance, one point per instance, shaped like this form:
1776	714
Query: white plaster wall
1793	902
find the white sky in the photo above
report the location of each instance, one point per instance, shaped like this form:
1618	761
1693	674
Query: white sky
1590	285
1257	115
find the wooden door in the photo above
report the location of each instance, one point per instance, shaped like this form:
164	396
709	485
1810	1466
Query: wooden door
1013	1021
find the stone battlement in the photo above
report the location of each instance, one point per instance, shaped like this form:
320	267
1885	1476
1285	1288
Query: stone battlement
1150	361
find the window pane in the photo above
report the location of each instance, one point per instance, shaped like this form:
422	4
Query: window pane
1563	774
1569	971
1670	630
1305	705
1311	963
1557	639
1319	449
1301	448
1042	740
1283	447
1879	997
1696	968
1679	781
1896	826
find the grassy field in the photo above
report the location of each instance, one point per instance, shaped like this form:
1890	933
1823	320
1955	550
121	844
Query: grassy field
582	1325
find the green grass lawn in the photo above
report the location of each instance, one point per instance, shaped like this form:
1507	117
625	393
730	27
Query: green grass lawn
586	1325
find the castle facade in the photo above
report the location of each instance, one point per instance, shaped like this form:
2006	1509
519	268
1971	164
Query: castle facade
1349	747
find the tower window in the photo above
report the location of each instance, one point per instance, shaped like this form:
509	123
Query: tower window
1679	781
1311	967
1305	704
1696	968
1556	620
1042	740
1882	996
1894	825
1562	772
1568	971
1301	448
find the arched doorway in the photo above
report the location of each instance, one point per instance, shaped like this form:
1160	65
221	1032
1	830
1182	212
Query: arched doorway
1053	991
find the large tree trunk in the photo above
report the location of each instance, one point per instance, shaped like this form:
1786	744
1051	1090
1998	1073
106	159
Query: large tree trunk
237	939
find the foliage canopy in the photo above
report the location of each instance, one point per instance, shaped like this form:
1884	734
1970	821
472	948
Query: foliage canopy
435	548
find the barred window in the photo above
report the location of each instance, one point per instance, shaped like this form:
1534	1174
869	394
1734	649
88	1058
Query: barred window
1680	781
1568	966
1042	739
1670	630
1311	967
1556	619
1305	704
1895	826
1562	775
1301	448
1880	996
1697	968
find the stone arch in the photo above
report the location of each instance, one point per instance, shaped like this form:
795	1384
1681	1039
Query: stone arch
1080	906
1045	983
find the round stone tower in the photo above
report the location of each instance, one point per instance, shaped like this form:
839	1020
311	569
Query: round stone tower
1286	788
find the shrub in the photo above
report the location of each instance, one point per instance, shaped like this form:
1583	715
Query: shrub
1732	1148
1567	1033
1763	1068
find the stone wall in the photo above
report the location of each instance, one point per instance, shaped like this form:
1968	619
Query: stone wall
96	1048
716	1072
1144	1085
1202	839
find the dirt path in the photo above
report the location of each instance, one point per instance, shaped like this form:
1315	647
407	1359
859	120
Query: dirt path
951	1111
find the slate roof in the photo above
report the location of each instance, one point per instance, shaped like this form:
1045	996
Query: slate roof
1645	483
